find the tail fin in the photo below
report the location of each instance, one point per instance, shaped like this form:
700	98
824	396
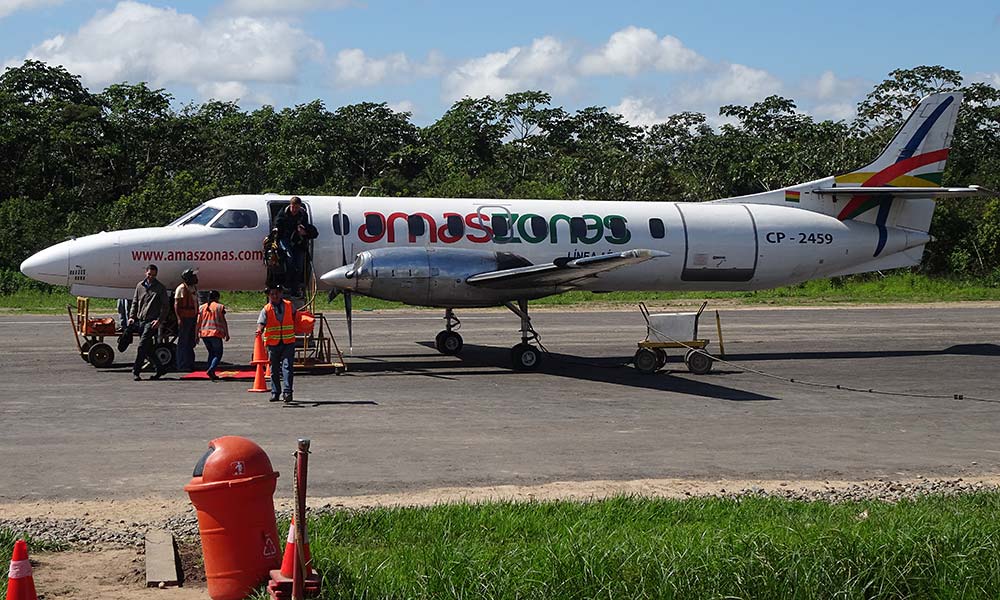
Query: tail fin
916	156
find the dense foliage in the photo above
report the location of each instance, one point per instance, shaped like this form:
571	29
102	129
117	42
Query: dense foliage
73	162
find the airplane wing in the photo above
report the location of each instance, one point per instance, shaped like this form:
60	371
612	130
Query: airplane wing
562	271
904	192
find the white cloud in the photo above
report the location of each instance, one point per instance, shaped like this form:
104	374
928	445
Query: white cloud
139	42
224	90
990	78
734	84
354	68
8	7
641	112
837	111
403	106
544	64
633	50
259	7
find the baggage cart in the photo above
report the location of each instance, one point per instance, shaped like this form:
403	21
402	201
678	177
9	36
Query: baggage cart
665	331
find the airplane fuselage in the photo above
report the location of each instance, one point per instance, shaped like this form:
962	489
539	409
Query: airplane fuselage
707	246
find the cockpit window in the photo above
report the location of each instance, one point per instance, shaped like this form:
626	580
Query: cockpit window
202	217
236	219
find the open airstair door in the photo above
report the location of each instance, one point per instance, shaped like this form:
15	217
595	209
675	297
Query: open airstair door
716	240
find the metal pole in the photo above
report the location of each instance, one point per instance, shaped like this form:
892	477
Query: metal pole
301	467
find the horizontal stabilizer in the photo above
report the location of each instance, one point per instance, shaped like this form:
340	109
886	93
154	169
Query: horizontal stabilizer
905	192
564	271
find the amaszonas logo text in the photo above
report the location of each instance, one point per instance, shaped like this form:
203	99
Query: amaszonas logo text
500	228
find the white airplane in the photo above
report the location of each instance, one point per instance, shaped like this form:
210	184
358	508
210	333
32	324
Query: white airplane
457	253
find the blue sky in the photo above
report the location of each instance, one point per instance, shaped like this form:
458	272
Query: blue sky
643	59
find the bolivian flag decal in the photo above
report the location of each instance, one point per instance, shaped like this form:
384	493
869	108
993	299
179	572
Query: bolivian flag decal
792	196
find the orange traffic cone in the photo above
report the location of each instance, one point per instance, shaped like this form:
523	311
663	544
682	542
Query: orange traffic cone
259	359
259	381
20	583
288	561
259	351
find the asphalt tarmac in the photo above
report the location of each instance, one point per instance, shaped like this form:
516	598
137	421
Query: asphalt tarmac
407	418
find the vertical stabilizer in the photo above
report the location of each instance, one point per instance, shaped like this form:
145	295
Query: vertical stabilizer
916	156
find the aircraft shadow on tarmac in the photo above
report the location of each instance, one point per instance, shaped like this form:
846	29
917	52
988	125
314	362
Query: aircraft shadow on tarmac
960	349
486	360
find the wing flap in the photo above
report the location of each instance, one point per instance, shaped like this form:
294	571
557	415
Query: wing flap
561	271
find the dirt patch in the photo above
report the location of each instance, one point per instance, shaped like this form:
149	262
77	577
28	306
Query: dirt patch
110	574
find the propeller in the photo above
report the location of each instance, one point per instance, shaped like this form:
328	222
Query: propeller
347	292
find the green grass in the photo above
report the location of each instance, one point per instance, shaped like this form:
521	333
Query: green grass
933	547
7	539
897	287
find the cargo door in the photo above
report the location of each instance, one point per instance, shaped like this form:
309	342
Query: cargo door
720	242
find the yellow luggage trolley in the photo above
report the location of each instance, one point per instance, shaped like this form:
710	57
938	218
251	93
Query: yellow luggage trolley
674	330
89	334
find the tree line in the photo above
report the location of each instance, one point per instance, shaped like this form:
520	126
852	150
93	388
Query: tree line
74	162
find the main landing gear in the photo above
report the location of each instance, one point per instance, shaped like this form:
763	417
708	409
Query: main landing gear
524	356
448	341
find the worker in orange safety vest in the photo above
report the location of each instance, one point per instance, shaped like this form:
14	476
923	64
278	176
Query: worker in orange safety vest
276	323
213	329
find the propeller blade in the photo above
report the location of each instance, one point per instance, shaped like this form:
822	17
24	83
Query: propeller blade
347	293
350	330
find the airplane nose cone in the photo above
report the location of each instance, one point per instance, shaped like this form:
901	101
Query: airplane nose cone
338	278
49	266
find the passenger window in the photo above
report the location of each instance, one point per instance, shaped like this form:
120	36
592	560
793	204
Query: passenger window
501	226
342	224
236	219
374	225
456	226
202	217
577	227
617	226
539	227
656	229
416	225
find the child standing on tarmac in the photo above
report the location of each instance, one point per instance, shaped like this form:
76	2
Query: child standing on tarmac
213	329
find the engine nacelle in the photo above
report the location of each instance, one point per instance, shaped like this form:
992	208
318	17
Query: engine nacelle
433	276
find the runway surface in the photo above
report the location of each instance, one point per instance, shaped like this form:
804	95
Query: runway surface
407	418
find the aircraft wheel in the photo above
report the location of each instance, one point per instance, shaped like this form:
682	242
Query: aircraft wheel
448	342
645	361
85	351
661	358
101	355
698	362
165	353
525	357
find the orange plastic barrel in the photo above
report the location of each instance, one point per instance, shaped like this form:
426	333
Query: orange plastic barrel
233	492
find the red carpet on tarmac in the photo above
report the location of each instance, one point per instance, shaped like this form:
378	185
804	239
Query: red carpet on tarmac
230	372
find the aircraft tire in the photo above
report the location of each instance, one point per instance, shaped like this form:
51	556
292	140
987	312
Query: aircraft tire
645	361
698	362
525	357
448	342
101	355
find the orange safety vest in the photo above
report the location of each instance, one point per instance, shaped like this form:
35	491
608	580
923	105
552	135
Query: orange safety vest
279	333
212	321
187	305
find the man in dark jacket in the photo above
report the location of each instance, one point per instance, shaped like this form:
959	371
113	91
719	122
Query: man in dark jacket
294	233
149	308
